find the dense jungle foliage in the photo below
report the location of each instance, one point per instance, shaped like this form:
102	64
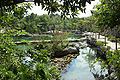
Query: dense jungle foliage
34	62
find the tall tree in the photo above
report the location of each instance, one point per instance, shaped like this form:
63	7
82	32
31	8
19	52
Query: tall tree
107	14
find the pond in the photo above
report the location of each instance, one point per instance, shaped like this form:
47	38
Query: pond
43	37
81	68
29	38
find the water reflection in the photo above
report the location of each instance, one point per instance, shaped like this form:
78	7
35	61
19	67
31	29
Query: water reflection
79	68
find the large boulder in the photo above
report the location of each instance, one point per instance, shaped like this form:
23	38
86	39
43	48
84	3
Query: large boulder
71	50
66	51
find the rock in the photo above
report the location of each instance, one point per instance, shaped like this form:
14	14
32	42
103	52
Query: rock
61	63
59	54
66	51
91	42
71	50
74	44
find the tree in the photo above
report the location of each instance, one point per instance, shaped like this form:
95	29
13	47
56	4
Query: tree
108	20
13	62
66	7
107	14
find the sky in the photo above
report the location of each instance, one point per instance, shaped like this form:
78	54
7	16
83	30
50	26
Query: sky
37	9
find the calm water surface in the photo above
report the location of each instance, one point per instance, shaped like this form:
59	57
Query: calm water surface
79	68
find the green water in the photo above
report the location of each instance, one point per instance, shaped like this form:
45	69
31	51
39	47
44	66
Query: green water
79	68
43	37
30	38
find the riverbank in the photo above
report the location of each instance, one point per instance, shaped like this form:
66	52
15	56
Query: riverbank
73	52
61	63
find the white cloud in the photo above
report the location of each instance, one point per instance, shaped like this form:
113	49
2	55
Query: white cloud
89	7
37	10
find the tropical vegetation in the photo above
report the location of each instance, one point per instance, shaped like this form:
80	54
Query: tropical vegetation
34	62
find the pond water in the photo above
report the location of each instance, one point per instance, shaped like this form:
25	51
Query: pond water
29	38
80	68
43	37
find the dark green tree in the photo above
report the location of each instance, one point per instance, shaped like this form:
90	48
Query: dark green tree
66	7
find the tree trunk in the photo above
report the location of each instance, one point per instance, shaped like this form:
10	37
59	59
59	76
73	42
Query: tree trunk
53	28
95	35
105	40
99	35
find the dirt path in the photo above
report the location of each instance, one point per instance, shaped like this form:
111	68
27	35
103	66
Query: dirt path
102	38
109	43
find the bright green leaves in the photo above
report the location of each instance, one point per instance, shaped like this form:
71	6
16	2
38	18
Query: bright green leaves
45	72
20	10
114	58
108	13
25	63
114	61
13	19
13	67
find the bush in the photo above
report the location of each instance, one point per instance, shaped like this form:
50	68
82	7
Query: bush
114	60
111	38
59	41
14	65
100	43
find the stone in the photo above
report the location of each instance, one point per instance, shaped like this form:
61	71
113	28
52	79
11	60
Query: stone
65	52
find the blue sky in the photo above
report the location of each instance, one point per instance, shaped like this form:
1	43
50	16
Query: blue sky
37	9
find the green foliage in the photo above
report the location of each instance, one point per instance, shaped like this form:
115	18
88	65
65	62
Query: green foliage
14	66
111	38
66	7
35	24
107	16
114	61
100	43
18	63
59	41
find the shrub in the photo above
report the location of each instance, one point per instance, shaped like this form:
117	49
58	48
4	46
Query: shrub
100	43
14	65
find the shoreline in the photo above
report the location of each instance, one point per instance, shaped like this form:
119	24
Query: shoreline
61	63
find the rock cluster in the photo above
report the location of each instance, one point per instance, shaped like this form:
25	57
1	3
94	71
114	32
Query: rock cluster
61	63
